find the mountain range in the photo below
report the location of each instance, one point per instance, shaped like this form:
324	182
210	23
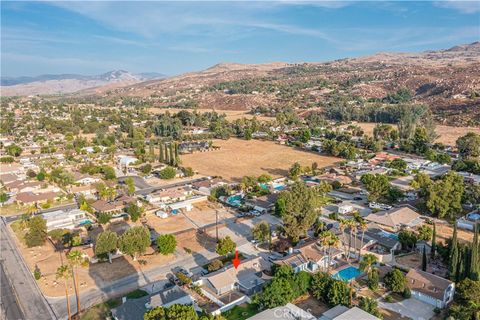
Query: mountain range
67	83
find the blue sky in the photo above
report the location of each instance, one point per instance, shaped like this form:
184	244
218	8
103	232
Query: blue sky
92	37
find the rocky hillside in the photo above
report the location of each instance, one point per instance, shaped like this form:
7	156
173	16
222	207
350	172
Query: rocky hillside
448	81
67	83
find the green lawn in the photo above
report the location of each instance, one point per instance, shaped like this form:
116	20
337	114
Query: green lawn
136	294
241	312
102	311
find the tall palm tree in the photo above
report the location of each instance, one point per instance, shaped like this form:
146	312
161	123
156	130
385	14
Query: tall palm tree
64	272
362	225
32	209
75	260
332	243
343	225
367	262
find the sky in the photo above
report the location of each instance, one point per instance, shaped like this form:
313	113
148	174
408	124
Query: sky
92	37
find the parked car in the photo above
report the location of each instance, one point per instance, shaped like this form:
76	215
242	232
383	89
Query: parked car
358	198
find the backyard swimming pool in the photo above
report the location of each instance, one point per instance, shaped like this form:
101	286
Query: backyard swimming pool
347	274
235	201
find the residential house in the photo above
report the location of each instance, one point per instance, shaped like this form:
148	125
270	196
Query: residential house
65	219
88	191
169	195
134	309
206	186
263	204
344	313
113	207
192	146
31	198
80	178
286	312
310	257
228	286
430	288
396	218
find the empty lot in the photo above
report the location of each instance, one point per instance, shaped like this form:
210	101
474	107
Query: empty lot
237	158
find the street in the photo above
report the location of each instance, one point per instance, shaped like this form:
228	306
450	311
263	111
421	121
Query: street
9	308
31	301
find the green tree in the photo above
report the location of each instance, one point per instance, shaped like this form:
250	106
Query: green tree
168	173
104	218
37	232
262	232
13	150
107	242
453	255
135	241
425	232
475	256
225	246
166	244
373	279
3	197
134	211
64	272
298	208
469	145
369	305
424	259
420	140
395	281
130	186
434	241
173	312
338	293
444	197
407	239
295	171
398	164
277	293
368	260
377	185
76	260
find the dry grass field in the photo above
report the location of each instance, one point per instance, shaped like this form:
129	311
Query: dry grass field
237	158
447	134
231	114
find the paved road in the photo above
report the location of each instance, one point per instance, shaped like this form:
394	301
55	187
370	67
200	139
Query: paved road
31	300
9	308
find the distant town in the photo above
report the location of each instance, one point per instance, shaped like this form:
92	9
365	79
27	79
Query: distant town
122	211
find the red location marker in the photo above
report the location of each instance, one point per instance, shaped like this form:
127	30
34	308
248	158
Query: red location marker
236	261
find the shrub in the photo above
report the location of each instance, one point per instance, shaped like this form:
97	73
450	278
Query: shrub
183	278
168	173
407	293
389	299
215	265
37	274
104	218
166	244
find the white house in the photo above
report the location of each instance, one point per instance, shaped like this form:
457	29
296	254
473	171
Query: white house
61	219
430	288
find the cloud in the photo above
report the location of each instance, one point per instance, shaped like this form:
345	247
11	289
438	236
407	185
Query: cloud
468	7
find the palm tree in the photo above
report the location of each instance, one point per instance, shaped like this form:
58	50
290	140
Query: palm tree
343	224
362	225
75	259
32	209
64	272
333	242
350	224
367	262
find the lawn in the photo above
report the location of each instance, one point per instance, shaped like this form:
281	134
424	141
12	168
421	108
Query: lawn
100	311
137	294
241	312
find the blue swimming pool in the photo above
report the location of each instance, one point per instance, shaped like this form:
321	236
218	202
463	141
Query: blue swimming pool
235	201
347	274
85	222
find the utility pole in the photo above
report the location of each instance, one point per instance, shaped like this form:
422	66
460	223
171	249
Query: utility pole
216	222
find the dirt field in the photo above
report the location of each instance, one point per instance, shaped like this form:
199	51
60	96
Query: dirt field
169	225
47	260
445	231
237	158
231	114
413	260
447	134
204	214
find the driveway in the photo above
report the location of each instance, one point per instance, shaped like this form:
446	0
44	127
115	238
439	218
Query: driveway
411	308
